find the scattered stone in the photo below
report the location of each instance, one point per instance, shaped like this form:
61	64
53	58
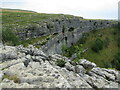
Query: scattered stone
37	71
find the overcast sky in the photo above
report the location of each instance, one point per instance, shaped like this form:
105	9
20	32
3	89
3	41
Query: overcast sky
96	9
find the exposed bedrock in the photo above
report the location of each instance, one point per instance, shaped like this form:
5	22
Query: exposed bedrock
66	30
73	32
37	70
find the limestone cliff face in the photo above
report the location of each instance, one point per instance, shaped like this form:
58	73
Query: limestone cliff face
31	68
74	29
67	30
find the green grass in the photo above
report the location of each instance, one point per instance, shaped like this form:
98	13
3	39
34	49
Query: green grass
104	57
12	77
21	17
42	40
14	18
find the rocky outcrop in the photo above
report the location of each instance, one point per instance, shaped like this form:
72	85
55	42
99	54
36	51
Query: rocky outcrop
69	31
34	69
66	30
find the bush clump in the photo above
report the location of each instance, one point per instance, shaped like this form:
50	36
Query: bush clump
9	37
60	63
116	61
97	45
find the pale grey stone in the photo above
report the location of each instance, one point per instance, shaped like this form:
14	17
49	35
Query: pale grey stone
87	64
80	69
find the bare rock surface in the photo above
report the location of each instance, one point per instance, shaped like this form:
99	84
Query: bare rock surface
31	68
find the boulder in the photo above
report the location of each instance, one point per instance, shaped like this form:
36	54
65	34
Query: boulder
104	73
80	69
87	64
69	67
8	53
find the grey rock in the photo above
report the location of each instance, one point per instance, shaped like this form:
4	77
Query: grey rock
40	73
73	56
8	53
87	64
112	85
95	81
1	75
104	73
80	69
69	67
74	79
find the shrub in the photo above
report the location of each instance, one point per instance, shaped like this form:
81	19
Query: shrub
97	45
76	60
78	50
9	36
82	40
116	61
60	63
70	51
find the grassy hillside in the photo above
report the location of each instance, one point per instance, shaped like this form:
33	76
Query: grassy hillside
14	18
22	17
105	56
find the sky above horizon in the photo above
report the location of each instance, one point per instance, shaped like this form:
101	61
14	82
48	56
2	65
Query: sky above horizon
91	9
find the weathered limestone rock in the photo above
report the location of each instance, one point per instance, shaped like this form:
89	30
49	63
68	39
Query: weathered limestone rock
78	26
1	75
103	73
74	79
8	53
80	69
34	71
87	64
69	67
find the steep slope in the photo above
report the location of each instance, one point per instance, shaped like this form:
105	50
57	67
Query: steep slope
104	57
29	26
